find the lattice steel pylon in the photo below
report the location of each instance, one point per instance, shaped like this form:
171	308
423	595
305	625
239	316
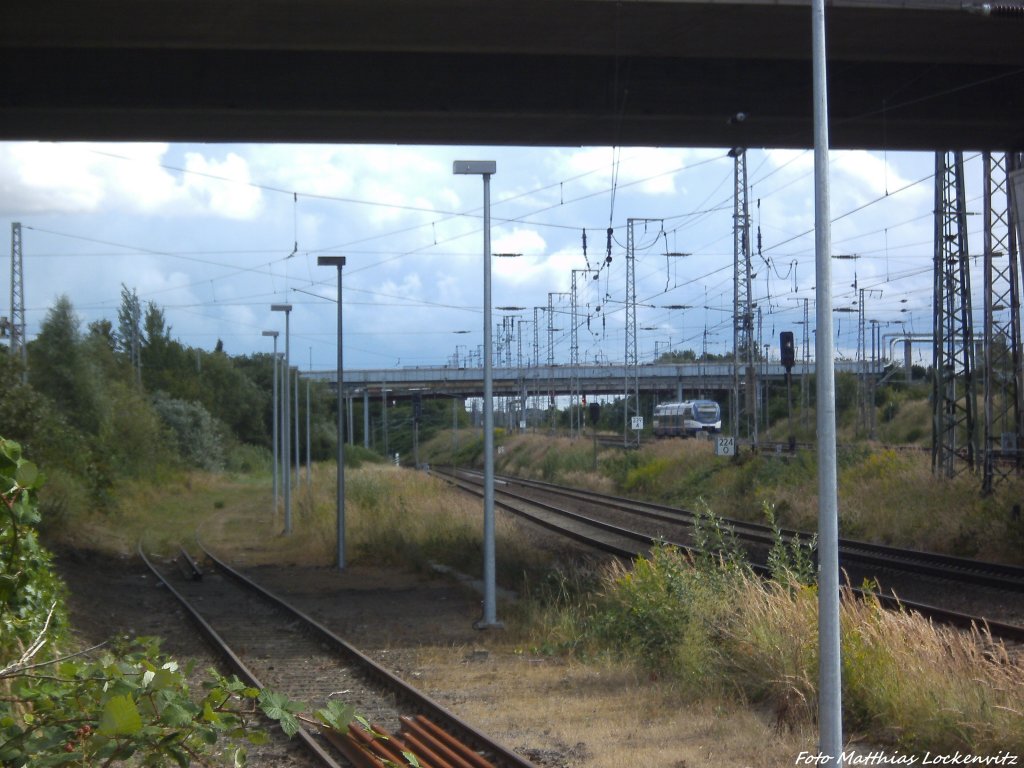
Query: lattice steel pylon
745	401
1002	364
574	357
862	368
18	346
632	372
953	434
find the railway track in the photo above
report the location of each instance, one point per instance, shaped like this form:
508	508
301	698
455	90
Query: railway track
268	642
626	528
852	552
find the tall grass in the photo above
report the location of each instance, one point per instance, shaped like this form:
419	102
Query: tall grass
393	517
906	682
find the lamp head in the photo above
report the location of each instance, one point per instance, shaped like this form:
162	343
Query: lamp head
474	167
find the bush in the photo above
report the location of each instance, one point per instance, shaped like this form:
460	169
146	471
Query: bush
662	613
132	704
199	440
31	597
248	459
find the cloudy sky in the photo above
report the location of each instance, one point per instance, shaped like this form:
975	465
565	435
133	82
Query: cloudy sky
216	233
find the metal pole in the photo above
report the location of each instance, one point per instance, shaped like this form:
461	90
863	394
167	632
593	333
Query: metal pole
285	411
298	454
339	378
274	335
489	619
384	416
830	714
490	599
309	452
366	418
341	447
277	425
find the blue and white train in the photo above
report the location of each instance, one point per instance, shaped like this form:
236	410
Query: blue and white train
687	418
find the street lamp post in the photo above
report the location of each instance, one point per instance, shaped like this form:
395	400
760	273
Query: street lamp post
285	450
486	168
830	711
274	335
339	262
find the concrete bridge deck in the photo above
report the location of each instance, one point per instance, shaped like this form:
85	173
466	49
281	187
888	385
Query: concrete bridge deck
903	74
686	378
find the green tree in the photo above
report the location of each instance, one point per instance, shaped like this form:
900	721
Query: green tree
164	361
233	398
104	330
129	325
61	371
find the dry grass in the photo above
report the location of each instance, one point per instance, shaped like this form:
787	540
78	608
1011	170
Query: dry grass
601	715
170	513
932	686
905	681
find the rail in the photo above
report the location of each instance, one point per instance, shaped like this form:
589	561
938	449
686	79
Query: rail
967	571
437	737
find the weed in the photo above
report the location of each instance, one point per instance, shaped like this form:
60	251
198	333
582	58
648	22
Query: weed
660	613
716	546
790	561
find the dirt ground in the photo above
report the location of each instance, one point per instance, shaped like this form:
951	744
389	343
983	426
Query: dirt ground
558	713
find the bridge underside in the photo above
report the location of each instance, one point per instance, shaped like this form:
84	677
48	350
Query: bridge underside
903	75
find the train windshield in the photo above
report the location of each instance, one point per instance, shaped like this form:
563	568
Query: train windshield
706	411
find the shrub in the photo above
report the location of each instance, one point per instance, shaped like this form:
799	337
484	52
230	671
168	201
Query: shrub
198	438
661	613
31	597
129	704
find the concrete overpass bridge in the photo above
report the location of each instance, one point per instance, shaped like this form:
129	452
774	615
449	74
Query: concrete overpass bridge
684	380
904	74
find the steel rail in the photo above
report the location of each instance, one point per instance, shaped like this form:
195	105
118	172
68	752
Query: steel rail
419	732
965	570
997	629
232	659
499	754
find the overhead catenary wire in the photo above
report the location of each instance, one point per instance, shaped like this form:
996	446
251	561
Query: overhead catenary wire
432	245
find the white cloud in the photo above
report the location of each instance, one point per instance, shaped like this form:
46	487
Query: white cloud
205	186
131	179
219	235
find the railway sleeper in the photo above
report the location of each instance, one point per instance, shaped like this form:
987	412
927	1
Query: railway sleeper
432	746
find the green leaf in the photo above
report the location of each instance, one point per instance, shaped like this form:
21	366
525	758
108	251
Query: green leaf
175	715
337	714
11	450
120	717
26	474
276	706
162	678
209	715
